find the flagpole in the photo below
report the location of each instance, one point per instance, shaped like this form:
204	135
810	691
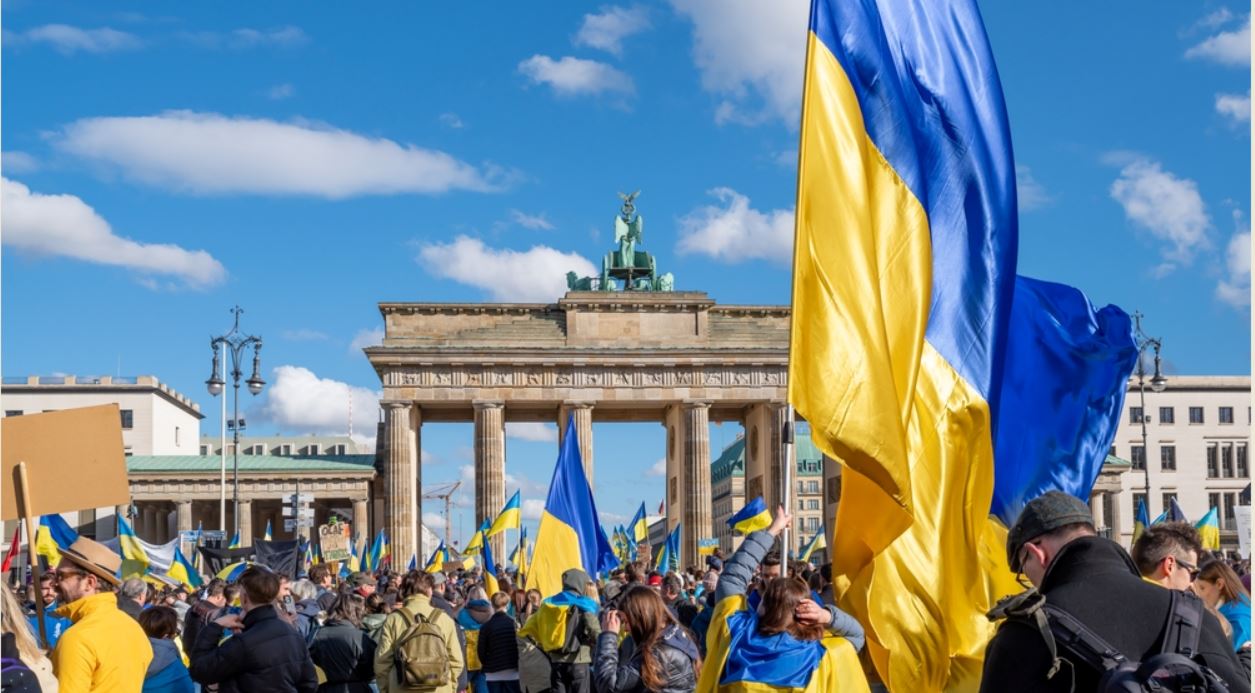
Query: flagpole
787	436
222	450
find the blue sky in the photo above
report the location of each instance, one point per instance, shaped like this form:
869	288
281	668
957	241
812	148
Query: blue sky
165	162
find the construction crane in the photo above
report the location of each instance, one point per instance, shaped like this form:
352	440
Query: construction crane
444	492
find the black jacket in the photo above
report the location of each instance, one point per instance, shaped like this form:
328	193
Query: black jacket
617	668
268	655
1094	580
347	657
202	612
18	678
498	645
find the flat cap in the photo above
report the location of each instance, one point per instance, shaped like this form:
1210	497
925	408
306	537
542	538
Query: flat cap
1045	513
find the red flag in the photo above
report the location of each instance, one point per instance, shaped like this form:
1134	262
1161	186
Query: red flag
13	548
662	507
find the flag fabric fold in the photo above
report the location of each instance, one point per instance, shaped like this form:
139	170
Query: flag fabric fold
752	517
182	570
817	542
1209	530
53	535
510	516
268	535
569	535
1141	520
491	586
134	558
638	530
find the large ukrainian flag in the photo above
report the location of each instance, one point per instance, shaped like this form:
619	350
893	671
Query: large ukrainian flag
911	332
569	535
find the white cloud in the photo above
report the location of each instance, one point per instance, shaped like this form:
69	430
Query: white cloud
69	40
452	120
786	158
209	153
304	334
658	468
366	338
530	221
1031	194
535	275
570	76
735	232
1235	288
433	521
18	162
1170	208
300	400
280	92
65	226
532	509
1212	21
606	31
247	37
1227	47
534	432
751	55
1236	107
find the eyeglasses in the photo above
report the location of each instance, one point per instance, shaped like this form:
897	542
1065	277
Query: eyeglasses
1190	569
67	574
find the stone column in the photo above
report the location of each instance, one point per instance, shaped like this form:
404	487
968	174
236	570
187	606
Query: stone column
149	527
361	525
832	499
490	468
402	479
246	522
183	515
583	412
764	454
696	473
1096	509
1117	526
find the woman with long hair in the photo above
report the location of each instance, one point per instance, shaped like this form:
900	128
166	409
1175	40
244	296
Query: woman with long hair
344	652
30	670
1222	590
788	642
660	656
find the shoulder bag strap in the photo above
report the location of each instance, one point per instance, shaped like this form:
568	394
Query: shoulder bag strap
1185	624
1081	641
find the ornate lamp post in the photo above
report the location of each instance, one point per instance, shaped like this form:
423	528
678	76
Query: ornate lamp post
235	342
1157	384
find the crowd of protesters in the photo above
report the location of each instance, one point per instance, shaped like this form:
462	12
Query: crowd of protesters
750	622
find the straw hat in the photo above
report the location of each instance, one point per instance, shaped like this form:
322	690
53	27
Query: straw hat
95	558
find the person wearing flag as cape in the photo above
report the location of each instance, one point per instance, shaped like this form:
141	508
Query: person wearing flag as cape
787	643
567	646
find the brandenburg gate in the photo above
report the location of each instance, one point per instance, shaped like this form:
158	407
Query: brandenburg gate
619	347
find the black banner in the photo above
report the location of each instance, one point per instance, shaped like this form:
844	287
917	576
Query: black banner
280	556
217	559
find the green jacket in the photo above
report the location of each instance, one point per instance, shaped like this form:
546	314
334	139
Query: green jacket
392	628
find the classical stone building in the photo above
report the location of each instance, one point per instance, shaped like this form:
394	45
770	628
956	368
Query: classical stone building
676	358
727	484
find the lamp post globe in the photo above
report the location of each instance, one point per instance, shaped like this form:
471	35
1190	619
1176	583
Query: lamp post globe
255	385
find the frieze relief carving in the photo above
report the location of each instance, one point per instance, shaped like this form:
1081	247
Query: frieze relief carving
627	376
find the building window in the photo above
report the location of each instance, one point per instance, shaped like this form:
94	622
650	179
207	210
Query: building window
1244	471
126	451
1213	501
812	504
812	487
12	412
176	436
204	451
128	419
1226	415
1213	462
1227	520
1226	461
1138	455
1168	497
1135	415
1167	415
1196	415
1168	458
801	504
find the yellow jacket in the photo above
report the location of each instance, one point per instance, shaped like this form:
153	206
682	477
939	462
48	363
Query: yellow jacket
106	651
392	628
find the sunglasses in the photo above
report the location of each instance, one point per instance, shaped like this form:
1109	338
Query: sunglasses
67	574
1190	569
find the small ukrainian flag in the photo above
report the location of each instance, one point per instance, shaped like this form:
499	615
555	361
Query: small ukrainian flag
751	518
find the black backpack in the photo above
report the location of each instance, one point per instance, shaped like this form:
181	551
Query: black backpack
1174	668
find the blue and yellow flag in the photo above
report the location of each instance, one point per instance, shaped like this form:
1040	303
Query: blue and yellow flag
373	559
669	557
639	528
1209	530
52	536
235	541
436	561
817	542
519	557
269	535
134	558
1141	520
752	517
182	570
477	539
569	535
510	516
1175	513
707	547
413	564
904	302
490	571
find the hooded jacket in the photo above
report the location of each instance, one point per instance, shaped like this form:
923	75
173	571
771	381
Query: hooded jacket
268	655
105	651
394	626
1095	581
346	655
166	673
618	666
548	626
472	616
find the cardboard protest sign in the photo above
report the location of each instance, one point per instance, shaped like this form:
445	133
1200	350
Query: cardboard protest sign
74	460
333	541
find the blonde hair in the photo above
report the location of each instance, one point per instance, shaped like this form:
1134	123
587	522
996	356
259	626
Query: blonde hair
12	620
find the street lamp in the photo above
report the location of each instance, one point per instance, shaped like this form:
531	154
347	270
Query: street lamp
235	342
1158	383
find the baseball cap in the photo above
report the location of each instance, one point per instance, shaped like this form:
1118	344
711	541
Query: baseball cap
361	579
1043	514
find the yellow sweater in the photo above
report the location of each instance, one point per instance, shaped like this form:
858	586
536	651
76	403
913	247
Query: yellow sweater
106	651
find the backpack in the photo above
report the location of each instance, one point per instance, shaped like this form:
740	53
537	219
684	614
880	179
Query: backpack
421	659
1173	668
575	633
